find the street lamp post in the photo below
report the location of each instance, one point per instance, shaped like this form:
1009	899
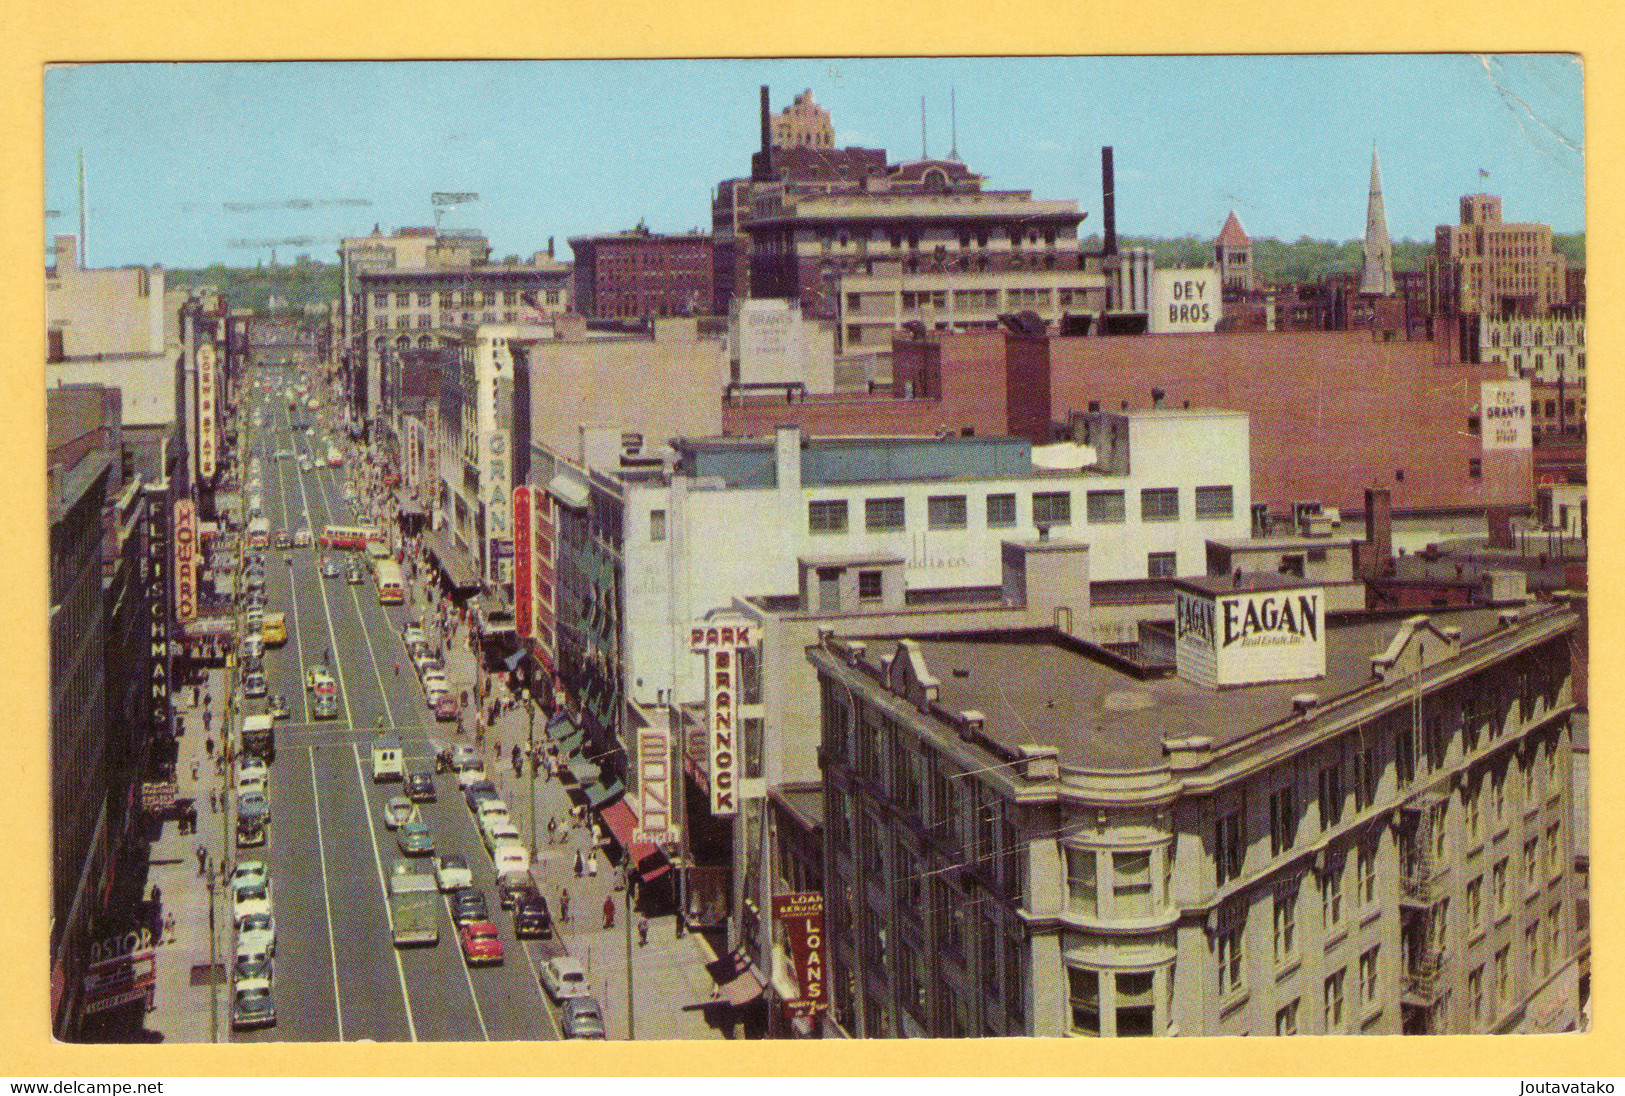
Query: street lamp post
530	760
631	1023
214	968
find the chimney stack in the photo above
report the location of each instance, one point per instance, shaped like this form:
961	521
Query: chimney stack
765	168
1379	525
1108	202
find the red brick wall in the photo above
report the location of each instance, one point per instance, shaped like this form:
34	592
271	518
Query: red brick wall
1332	412
1027	389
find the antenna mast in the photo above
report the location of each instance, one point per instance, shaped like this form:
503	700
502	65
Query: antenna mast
84	244
922	128
953	127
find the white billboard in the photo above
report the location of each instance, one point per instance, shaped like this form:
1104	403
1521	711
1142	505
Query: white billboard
1183	300
1250	637
1504	414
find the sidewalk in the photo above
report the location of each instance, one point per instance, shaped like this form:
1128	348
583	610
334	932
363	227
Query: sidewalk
671	989
181	1003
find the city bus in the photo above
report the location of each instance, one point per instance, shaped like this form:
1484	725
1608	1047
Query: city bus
391	586
347	536
259	534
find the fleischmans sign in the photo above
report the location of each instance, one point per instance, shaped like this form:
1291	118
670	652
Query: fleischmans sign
1250	636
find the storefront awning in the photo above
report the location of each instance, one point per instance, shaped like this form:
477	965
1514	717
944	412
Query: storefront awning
736	979
622	823
599	793
453	561
570	744
570	491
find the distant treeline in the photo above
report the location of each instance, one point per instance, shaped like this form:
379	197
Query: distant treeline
1306	260
305	282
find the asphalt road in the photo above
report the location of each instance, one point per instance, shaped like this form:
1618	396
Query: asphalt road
338	975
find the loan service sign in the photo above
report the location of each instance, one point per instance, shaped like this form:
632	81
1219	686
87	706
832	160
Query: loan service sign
1248	637
801	919
720	642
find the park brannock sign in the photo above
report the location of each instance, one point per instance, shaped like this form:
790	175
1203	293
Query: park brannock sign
1249	636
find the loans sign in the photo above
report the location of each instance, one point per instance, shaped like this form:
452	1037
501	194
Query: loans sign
1249	636
720	642
801	919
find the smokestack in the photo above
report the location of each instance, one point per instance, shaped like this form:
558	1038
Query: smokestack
1108	200
766	168
1379	525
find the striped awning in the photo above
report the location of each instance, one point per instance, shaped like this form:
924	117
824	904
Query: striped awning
599	793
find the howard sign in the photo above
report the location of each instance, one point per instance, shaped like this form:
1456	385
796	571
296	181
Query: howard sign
1248	637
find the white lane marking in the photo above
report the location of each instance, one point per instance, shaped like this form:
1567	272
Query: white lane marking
383	888
327	901
293	596
366	634
467	977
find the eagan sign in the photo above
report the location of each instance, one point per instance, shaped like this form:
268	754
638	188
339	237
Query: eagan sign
1248	637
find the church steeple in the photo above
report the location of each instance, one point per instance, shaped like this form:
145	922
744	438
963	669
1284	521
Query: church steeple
1377	276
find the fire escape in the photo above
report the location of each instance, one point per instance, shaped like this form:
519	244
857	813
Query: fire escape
1421	895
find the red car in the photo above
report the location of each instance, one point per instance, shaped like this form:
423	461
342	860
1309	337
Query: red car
445	708
480	941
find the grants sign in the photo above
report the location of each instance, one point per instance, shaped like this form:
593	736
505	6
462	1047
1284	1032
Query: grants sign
1249	637
1505	414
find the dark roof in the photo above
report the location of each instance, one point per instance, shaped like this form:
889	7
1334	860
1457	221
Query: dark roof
1035	689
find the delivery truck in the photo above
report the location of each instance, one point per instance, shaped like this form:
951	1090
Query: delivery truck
259	738
414	905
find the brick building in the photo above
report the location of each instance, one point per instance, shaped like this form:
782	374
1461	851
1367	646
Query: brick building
1485	266
638	274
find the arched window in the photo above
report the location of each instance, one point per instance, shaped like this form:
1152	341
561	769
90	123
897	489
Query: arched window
936	179
426	342
403	343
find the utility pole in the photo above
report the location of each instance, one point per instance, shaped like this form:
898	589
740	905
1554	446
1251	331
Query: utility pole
214	965
631	1023
530	760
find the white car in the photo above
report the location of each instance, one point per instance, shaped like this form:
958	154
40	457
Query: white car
471	771
491	811
399	811
501	835
563	978
413	633
253	1005
451	873
257	931
250	873
250	780
253	765
250	899
510	858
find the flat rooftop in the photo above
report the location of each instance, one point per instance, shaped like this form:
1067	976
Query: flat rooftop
1032	690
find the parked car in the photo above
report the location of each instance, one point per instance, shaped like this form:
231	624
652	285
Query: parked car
254	683
478	791
451	872
276	706
255	898
480	941
511	884
412	632
249	873
252	1005
469	905
582	1018
257	930
446	708
564	979
251	962
530	915
499	834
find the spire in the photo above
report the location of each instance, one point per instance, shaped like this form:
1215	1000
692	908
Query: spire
953	128
1377	275
923	155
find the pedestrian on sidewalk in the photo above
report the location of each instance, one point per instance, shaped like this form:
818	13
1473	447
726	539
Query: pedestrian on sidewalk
552	829
579	864
214	802
202	858
194	772
496	748
397	667
207	716
643	932
564	906
169	927
609	912
518	764
592	863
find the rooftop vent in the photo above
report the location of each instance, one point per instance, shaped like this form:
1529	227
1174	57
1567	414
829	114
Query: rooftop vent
1304	702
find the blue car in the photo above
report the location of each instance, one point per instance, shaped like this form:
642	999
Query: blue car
415	839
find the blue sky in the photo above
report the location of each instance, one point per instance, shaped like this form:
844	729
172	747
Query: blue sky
191	164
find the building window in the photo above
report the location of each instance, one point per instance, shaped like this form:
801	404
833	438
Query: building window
1473	425
1475	468
1334	1003
1227	848
1554	937
826	517
1162	564
1553	864
1106	508
1212	502
1052	508
657	525
1286	1019
1503	977
1286	927
1131	884
869	586
945	512
1331	898
1134	1005
1531	947
1366	864
1531	867
1368	977
1084	990
1366	774
1475	903
883	515
1230	960
1331	796
1159	504
1498	886
1082	887
1283	820
1001	511
381	300
753	748
1475	994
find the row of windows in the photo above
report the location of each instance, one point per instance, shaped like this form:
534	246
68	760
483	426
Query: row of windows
1016	234
1049	508
466	298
